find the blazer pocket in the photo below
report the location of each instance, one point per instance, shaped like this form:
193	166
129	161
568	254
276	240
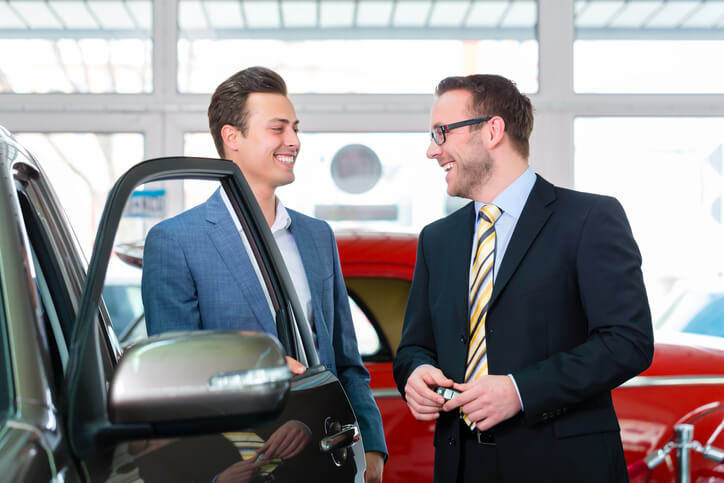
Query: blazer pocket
585	421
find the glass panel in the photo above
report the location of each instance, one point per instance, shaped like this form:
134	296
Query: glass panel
176	300
672	188
83	167
75	46
385	299
357	47
360	180
679	39
367	338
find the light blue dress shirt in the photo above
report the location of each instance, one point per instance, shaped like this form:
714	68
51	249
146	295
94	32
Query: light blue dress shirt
511	201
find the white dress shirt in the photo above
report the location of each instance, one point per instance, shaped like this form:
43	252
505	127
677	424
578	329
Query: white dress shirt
290	253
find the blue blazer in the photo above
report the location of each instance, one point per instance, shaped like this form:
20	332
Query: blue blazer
197	275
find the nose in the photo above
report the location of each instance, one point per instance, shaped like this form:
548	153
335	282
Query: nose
291	139
433	150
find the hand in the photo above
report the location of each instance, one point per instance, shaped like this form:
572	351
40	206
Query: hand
375	464
424	403
240	472
486	401
295	366
286	442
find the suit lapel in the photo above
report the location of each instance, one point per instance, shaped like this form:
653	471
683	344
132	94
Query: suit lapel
227	241
461	248
535	214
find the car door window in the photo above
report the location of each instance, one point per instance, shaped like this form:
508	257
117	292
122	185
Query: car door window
378	309
178	266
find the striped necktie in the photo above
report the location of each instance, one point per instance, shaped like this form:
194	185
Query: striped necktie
481	288
247	442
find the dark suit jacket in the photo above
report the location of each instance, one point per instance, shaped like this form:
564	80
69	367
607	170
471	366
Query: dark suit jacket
568	317
197	275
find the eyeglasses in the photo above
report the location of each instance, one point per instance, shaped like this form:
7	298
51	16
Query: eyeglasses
439	133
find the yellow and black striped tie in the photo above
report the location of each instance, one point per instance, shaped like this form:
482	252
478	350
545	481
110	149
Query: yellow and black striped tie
481	288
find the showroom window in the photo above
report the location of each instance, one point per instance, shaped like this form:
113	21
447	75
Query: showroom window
671	186
363	46
74	46
680	41
83	167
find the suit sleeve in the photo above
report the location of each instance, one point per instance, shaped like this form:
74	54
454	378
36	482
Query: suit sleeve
619	343
352	373
417	345
168	289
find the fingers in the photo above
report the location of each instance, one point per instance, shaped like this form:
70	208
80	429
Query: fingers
294	365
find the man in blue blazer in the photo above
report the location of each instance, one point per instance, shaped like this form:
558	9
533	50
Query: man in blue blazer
529	301
196	272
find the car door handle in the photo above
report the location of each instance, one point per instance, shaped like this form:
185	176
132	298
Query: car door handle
348	435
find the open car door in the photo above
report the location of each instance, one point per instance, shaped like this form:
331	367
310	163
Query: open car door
203	405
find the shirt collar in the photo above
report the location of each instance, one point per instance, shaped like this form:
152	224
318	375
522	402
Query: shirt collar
282	220
512	199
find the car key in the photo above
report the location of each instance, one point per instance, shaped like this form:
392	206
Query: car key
446	392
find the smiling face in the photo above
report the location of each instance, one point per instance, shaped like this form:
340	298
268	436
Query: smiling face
466	161
266	153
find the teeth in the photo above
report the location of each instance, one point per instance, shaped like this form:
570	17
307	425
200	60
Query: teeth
286	159
448	166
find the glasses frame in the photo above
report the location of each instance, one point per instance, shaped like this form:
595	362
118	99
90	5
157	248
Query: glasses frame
445	128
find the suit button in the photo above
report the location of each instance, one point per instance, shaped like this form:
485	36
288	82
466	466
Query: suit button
451	441
463	339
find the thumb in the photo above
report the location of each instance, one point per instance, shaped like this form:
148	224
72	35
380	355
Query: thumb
295	366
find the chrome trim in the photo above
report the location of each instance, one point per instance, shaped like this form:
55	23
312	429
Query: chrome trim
387	392
649	381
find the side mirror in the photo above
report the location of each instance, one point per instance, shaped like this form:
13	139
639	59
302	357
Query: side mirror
184	376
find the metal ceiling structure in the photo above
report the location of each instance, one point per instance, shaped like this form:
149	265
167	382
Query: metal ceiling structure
360	19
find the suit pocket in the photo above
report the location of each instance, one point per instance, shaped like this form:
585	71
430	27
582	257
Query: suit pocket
586	421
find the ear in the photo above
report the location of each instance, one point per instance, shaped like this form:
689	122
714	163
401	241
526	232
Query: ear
495	132
230	135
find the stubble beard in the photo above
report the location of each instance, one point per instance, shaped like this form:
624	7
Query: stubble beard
472	174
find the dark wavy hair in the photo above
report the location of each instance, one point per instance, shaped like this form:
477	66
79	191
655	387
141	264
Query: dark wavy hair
228	103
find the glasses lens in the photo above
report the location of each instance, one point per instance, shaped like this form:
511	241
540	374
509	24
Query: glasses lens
438	136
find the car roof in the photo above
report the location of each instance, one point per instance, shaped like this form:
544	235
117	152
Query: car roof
13	148
375	254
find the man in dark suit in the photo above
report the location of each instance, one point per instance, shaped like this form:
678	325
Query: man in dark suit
529	302
196	272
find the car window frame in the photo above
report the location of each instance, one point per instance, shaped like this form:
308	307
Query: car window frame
6	374
87	416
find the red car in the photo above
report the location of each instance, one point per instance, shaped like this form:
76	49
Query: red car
685	383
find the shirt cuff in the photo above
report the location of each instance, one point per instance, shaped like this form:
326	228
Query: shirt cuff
517	391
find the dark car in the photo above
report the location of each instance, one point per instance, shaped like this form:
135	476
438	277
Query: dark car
74	406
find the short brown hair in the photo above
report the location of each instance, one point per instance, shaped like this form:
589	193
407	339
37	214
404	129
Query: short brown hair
228	104
494	95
